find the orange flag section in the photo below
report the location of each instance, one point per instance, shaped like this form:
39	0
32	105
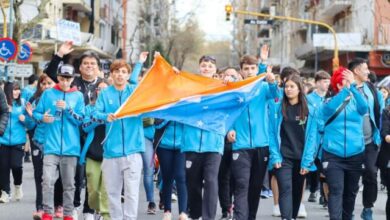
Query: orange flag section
161	86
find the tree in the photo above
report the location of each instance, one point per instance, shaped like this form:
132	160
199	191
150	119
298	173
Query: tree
184	42
19	27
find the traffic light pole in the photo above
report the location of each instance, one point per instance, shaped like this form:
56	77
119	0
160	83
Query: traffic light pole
335	61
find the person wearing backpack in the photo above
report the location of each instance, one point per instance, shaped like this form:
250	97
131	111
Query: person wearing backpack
371	132
343	143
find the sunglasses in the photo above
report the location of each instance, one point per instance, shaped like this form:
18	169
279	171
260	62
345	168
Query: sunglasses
207	58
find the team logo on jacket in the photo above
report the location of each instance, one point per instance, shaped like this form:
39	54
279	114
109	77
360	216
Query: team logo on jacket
188	164
235	156
325	164
110	101
265	159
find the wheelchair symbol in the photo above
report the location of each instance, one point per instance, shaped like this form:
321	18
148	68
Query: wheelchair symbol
4	51
24	54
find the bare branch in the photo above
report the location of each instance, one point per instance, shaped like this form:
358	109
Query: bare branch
41	15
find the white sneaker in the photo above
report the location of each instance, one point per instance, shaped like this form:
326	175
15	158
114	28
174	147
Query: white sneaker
18	195
167	216
75	214
174	197
183	216
88	216
4	197
276	211
302	211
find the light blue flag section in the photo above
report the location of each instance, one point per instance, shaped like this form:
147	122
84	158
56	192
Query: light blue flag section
216	112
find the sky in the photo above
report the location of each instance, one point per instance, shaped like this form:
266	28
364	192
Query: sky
210	15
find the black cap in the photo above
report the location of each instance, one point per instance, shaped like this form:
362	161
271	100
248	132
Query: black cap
66	70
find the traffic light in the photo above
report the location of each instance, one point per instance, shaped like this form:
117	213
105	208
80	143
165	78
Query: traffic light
228	9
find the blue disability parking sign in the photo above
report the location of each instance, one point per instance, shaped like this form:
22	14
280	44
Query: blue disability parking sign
8	49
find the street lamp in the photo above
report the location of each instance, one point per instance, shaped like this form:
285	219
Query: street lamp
229	9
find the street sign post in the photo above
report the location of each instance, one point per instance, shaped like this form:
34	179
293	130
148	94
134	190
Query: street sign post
258	22
17	70
8	49
25	53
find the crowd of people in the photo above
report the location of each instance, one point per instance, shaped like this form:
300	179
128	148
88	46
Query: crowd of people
327	132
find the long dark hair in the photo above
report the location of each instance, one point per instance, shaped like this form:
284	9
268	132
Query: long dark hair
9	88
39	90
302	102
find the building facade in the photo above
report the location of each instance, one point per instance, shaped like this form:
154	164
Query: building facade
362	26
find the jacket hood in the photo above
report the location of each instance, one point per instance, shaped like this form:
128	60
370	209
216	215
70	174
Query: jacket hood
73	89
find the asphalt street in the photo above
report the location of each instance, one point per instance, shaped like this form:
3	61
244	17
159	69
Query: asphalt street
23	209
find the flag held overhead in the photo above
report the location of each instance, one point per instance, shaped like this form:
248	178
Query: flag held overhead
189	98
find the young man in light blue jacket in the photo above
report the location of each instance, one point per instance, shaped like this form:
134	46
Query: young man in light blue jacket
249	136
122	160
371	132
62	109
315	100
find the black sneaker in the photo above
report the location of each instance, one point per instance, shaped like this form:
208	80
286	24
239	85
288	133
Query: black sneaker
151	208
322	200
224	216
325	205
312	197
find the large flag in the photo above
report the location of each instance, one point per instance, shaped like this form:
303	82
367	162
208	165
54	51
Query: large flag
190	99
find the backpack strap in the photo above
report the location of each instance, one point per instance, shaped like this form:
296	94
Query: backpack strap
159	133
377	111
338	111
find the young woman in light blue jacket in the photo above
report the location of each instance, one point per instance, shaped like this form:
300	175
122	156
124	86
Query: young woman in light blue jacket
293	138
12	144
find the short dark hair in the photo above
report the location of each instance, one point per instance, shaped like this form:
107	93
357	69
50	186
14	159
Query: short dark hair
248	59
287	72
355	63
33	78
89	54
320	75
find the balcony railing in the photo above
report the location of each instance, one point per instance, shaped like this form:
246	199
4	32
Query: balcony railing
330	8
79	5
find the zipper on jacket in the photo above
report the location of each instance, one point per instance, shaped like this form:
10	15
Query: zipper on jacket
123	136
62	124
250	128
10	128
174	135
345	133
201	137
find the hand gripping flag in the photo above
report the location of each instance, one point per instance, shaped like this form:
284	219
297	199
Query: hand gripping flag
190	99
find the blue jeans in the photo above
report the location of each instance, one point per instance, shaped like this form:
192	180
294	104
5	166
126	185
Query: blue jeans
172	164
148	165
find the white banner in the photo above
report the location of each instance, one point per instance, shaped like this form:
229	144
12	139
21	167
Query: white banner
68	31
343	39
